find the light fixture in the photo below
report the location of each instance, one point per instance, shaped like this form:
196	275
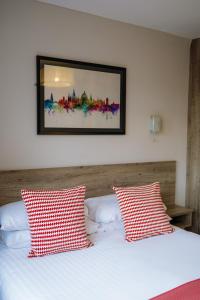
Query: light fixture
56	76
155	124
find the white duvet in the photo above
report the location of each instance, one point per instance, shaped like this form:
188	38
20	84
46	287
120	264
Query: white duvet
112	269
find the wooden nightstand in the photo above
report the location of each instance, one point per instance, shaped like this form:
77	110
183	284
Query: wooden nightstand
181	216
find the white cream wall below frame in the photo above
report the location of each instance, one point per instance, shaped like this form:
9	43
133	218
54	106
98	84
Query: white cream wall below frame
157	81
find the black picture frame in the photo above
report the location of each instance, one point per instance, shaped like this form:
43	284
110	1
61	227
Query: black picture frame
41	129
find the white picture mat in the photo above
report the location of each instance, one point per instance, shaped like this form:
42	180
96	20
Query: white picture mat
100	85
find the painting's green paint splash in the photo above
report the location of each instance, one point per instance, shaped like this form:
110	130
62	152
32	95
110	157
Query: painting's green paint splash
72	103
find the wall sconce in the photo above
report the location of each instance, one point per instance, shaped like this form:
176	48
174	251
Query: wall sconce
155	125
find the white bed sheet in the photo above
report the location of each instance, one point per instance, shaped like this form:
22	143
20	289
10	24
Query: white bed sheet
111	270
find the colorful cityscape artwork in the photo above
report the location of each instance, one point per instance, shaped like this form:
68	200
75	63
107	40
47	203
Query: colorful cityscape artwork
83	103
79	98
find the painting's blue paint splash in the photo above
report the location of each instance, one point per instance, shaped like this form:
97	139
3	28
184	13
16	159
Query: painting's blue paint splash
72	103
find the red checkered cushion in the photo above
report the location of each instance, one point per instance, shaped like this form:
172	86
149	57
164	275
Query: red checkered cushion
142	211
56	220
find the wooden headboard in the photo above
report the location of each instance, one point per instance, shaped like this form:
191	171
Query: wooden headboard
98	179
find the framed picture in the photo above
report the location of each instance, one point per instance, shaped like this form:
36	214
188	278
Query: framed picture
76	97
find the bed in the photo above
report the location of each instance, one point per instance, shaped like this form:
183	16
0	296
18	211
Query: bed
112	268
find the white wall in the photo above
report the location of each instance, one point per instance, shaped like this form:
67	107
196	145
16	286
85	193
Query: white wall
157	81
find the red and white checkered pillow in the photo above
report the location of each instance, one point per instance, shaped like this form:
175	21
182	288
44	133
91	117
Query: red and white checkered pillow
56	220
142	211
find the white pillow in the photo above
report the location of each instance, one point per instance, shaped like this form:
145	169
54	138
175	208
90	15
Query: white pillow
103	209
91	226
86	210
165	208
13	216
107	227
22	238
16	239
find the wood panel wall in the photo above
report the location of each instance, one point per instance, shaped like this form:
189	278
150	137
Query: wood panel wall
99	179
193	156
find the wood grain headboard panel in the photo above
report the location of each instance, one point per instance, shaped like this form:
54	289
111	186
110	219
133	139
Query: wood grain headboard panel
98	179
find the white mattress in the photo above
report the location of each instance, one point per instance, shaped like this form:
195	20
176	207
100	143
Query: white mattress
111	270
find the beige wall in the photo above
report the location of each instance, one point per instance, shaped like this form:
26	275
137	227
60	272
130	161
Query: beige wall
157	81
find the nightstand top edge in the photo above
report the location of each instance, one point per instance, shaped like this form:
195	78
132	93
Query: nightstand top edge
179	211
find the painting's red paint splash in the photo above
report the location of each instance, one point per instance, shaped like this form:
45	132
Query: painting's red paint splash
72	102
